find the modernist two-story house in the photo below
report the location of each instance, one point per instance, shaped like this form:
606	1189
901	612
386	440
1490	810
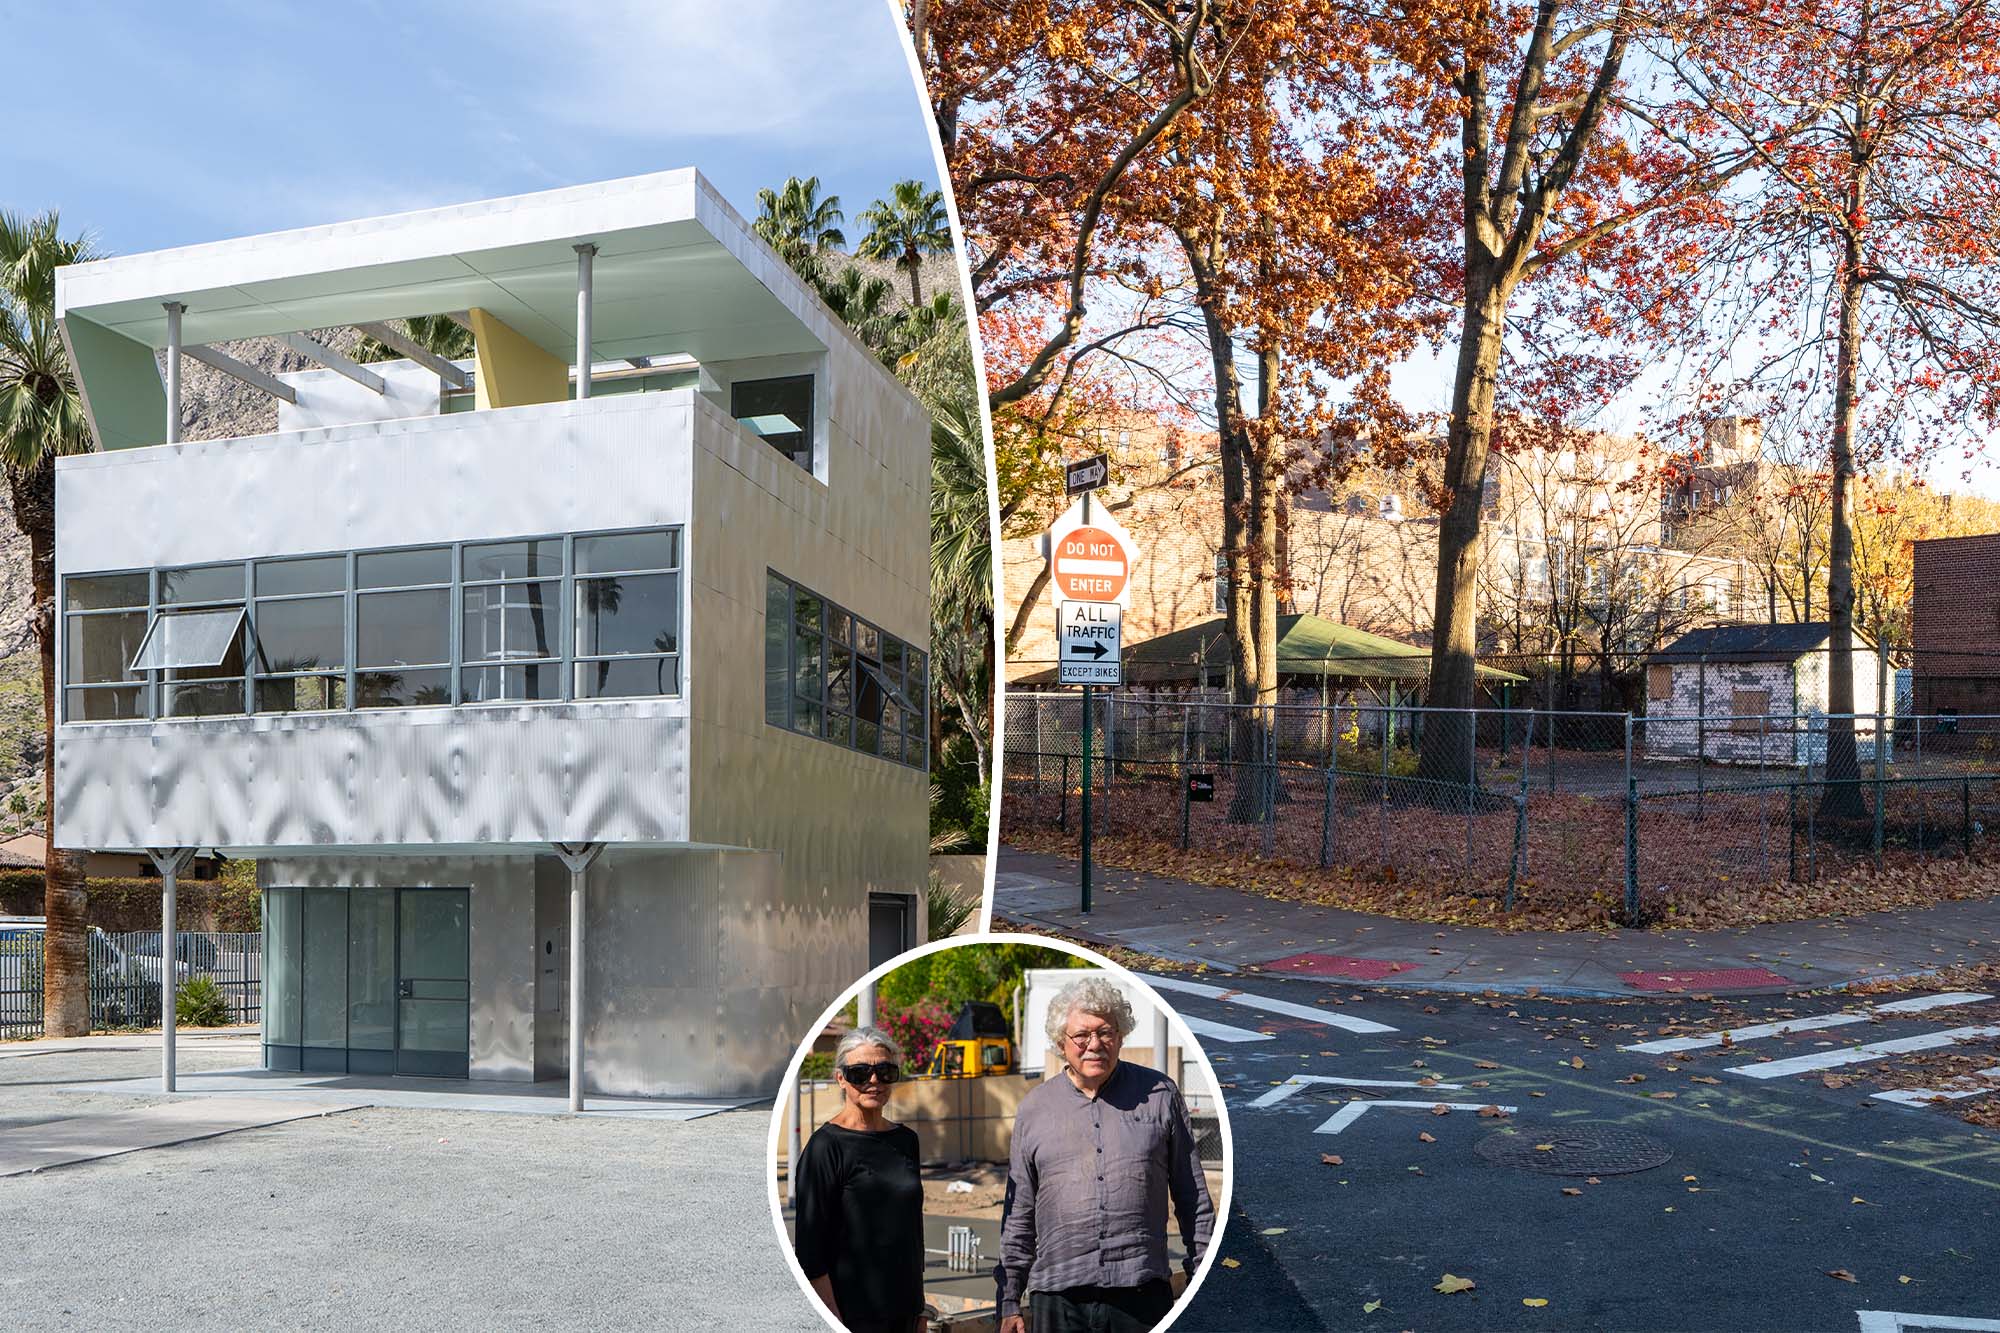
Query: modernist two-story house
570	696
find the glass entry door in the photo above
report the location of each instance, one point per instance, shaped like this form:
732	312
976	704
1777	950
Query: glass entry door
433	993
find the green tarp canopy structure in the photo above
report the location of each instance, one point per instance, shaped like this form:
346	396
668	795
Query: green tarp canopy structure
1310	649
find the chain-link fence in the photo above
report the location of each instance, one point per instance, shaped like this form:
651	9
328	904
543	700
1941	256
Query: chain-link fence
125	975
1503	802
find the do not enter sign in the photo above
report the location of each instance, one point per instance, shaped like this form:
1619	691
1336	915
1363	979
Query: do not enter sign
1090	558
1091	565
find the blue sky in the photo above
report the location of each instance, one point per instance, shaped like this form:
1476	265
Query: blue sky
169	124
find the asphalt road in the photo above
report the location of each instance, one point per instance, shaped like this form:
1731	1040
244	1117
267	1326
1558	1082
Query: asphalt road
1716	1187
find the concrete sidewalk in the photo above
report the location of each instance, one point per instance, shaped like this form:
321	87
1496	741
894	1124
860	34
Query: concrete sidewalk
1231	930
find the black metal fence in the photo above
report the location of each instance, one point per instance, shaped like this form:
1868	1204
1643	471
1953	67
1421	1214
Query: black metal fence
1502	802
125	976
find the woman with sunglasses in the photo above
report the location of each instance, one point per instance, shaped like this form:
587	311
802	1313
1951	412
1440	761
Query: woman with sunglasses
859	1197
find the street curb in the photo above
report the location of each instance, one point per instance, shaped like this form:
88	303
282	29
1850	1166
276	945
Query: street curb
1558	991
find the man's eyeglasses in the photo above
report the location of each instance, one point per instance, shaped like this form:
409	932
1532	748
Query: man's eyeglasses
1101	1037
886	1071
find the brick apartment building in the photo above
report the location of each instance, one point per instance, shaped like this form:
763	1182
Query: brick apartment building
1365	554
1955	625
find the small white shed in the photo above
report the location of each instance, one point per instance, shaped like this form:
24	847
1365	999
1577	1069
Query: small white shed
1755	694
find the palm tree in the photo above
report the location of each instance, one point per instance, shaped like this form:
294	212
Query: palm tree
434	333
42	419
862	303
908	225
799	225
962	655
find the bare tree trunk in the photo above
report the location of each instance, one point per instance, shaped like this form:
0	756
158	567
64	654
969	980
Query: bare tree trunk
1455	633
65	944
1842	796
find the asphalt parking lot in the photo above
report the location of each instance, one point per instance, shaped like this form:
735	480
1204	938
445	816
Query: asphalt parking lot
390	1218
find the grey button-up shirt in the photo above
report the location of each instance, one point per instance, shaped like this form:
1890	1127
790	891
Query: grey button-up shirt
1088	1182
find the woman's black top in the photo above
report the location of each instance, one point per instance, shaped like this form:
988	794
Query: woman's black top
860	1206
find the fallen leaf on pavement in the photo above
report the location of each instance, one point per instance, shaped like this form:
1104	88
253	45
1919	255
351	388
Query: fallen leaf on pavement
1484	1064
1453	1284
1545	1147
1571	1189
1331	1159
1592	1180
1703	1078
1272	1231
1371	1307
1231	1263
1492	1113
1536	1302
1427	1137
1633	1078
1842	1274
1576	1062
1440	1109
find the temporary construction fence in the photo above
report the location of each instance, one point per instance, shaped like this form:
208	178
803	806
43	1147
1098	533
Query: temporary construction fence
1512	801
125	975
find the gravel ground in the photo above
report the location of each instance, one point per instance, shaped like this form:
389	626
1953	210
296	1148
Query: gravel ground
391	1219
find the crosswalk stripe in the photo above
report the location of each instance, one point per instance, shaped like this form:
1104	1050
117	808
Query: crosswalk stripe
1297	1081
1922	1096
1353	1111
1305	1011
1855	1055
1778	1029
1211	1031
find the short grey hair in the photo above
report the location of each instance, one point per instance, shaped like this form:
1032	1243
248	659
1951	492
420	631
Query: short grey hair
1095	995
860	1037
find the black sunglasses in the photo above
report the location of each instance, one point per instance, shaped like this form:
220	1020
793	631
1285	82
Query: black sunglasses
888	1071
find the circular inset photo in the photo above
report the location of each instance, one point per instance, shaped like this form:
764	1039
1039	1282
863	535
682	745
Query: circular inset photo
1002	1134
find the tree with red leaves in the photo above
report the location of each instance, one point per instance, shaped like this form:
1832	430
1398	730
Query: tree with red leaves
1855	282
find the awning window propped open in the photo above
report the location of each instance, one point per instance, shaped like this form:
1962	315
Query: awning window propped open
180	639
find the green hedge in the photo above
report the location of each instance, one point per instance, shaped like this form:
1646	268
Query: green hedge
133	903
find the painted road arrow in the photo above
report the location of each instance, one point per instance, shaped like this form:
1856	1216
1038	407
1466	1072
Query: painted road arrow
1352	1112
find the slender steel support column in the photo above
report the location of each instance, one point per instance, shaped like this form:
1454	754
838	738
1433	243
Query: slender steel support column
576	857
169	861
864	1007
1160	1040
174	309
584	255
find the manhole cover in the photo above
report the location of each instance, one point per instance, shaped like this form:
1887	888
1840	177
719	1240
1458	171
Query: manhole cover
1577	1150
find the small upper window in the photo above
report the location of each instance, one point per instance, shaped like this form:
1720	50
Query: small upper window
780	411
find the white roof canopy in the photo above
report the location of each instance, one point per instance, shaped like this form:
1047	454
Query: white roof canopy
677	271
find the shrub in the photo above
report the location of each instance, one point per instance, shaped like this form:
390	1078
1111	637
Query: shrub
201	1004
945	910
818	1065
917	1030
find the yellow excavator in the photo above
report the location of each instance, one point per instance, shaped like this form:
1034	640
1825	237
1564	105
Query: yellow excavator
979	1044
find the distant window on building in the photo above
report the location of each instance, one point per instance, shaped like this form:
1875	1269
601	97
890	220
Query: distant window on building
1748	709
780	412
1659	682
1221	581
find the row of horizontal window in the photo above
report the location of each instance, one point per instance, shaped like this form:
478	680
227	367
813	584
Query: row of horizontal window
537	619
828	673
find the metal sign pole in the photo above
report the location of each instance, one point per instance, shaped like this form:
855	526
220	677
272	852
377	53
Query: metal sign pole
1085	885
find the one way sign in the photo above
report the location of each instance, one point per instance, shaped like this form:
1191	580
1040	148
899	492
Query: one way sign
1087	635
